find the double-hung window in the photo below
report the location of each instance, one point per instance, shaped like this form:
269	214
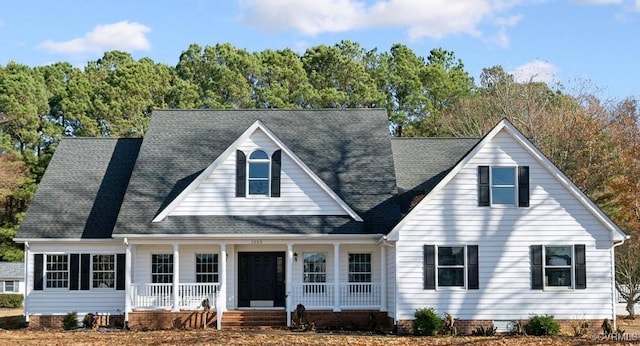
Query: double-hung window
359	271
9	286
162	268
259	164
503	186
554	266
104	270
314	271
206	267
57	269
450	266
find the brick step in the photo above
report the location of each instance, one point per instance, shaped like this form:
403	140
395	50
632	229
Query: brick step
254	319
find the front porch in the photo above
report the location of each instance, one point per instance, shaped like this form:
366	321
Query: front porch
255	275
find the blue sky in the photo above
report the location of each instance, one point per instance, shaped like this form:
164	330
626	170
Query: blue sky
577	43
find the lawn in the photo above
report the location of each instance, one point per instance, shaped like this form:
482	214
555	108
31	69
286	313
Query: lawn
279	337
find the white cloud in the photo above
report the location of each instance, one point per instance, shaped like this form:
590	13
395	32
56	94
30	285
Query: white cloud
536	71
433	18
637	5
125	36
598	2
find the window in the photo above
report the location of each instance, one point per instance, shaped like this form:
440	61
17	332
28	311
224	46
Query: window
314	271
451	266
263	178
359	267
259	173
558	266
503	186
104	267
162	268
9	286
57	271
206	267
359	271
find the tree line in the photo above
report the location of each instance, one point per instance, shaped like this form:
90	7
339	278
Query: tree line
595	142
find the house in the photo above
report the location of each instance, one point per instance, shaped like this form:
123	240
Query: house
12	277
261	210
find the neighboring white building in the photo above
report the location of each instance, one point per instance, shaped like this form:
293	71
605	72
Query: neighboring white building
12	277
268	209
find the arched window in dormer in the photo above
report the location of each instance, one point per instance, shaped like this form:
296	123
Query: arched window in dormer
263	178
259	169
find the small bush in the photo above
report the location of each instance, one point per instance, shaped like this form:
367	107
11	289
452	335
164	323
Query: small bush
426	322
11	300
542	325
580	327
70	321
482	331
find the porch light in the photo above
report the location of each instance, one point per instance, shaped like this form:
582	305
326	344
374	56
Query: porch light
295	256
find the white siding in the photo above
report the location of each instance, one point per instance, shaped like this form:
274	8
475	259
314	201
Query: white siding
300	195
62	301
504	237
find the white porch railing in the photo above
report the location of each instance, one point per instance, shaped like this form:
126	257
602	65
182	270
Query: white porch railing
364	295
160	296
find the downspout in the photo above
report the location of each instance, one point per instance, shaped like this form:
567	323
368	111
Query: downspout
613	281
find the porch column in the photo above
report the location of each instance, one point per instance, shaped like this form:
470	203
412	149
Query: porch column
127	280
176	277
383	277
289	282
222	295
336	277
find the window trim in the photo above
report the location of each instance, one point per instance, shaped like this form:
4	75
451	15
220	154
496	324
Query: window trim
46	271
572	267
215	262
249	179
464	266
3	286
93	271
513	187
169	274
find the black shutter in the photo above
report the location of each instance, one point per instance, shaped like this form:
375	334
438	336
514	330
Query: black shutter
38	262
472	267
120	271
581	267
536	267
484	197
74	267
85	271
523	186
429	264
241	174
276	160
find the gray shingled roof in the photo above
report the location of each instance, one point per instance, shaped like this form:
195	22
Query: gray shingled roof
421	163
348	149
81	191
11	270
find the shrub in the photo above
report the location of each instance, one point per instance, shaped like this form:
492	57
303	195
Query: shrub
70	321
542	325
482	331
426	322
11	300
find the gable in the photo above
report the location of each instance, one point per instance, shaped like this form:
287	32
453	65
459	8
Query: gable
354	162
554	199
214	191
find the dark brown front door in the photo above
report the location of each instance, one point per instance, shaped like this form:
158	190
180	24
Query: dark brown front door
261	279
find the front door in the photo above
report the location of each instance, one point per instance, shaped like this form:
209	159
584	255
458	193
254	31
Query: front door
261	279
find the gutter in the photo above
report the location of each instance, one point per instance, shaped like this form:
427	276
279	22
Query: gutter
613	280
